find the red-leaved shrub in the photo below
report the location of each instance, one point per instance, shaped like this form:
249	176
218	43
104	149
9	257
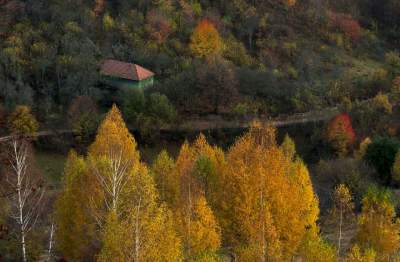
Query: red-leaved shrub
346	24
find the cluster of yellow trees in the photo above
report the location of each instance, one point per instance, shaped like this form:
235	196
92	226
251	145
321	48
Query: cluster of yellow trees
256	201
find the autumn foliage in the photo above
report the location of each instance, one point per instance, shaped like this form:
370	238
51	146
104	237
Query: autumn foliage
205	40
260	187
257	199
340	133
346	24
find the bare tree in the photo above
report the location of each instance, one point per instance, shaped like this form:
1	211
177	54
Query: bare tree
27	195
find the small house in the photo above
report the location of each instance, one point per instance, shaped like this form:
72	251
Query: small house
120	74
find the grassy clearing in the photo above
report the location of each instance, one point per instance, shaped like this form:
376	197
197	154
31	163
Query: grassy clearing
51	166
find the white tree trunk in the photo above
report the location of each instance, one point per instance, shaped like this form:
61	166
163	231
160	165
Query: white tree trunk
26	203
340	228
114	182
137	231
49	250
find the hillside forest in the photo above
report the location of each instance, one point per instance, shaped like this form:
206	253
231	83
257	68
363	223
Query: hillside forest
270	131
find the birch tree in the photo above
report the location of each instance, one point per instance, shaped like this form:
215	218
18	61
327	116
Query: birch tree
110	204
342	211
28	192
113	159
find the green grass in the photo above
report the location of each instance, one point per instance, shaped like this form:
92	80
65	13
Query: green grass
51	166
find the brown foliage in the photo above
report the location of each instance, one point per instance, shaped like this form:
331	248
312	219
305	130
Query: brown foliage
158	26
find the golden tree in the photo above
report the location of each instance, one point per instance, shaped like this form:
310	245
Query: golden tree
184	183
197	224
315	249
262	187
205	40
75	227
165	178
377	227
121	200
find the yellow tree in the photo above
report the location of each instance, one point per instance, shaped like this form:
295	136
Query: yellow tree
360	153
205	40
183	184
198	226
342	211
355	254
22	122
75	227
208	170
147	233
114	160
120	197
128	193
165	178
315	249
377	227
269	203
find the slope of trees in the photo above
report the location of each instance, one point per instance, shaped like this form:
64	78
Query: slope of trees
51	52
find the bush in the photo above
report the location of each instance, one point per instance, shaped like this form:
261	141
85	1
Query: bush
133	103
349	171
381	155
22	122
148	113
158	106
83	119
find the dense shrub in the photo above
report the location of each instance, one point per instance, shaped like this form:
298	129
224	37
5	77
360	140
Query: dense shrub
381	155
22	122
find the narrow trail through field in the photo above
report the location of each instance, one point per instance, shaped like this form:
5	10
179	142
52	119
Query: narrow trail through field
217	122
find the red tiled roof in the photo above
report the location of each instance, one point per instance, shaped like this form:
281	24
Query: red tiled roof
125	70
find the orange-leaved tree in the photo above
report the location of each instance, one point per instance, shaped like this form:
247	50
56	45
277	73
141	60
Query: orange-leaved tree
340	134
205	40
269	205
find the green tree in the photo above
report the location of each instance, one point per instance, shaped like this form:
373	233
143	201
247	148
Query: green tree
133	103
381	155
288	147
396	169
